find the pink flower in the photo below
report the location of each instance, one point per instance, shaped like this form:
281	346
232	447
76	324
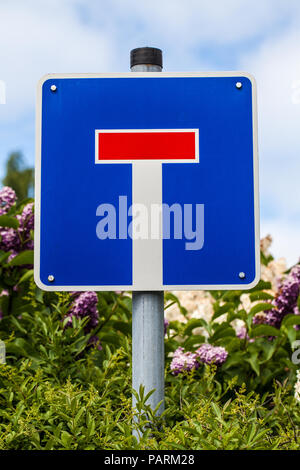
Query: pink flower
183	362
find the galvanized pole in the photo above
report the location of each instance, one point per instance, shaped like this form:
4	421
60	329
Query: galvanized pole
148	307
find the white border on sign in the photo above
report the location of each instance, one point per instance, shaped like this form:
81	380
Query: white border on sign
147	160
130	75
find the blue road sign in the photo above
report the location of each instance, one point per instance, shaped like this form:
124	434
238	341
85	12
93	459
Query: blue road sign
147	182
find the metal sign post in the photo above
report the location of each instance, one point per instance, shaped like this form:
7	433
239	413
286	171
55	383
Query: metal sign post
148	307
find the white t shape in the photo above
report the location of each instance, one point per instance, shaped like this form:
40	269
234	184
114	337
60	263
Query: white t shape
146	150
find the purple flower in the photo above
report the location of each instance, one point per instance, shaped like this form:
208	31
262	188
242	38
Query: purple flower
26	224
95	342
19	239
166	324
10	239
27	217
286	300
242	334
183	362
12	256
259	319
85	305
209	354
7	199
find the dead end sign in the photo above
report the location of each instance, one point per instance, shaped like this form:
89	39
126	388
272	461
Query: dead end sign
147	182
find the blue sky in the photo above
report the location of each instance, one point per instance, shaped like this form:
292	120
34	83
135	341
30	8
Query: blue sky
262	37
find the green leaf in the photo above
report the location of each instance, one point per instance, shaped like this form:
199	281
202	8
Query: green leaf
4	255
229	343
66	439
109	338
269	348
172	298
253	361
16	323
262	285
7	221
265	260
221	310
264	330
288	327
292	334
217	410
291	320
194	323
234	359
262	307
20	347
232	296
222	331
24	203
91	427
193	341
260	295
124	327
25	257
26	276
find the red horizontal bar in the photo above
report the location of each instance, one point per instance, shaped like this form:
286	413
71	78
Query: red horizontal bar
146	145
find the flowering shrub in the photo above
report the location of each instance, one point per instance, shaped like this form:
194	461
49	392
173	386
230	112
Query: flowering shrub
85	304
212	355
230	379
7	199
95	413
183	362
16	227
206	354
285	301
248	336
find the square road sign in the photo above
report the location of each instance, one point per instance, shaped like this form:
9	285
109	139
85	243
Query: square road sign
147	181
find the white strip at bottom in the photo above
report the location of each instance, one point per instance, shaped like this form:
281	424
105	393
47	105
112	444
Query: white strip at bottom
147	253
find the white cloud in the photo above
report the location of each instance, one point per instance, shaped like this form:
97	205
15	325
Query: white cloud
84	35
192	22
286	236
279	185
276	65
40	37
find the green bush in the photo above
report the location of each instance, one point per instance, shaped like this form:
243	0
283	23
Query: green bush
262	355
67	381
37	413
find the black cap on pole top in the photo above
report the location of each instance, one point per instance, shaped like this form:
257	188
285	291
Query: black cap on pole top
146	56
